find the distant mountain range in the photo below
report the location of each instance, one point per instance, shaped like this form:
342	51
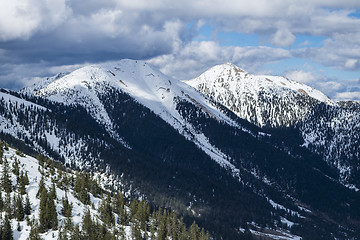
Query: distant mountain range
237	152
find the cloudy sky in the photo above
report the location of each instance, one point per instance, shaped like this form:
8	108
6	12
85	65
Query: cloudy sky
313	41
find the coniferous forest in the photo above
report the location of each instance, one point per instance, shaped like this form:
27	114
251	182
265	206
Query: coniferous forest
107	214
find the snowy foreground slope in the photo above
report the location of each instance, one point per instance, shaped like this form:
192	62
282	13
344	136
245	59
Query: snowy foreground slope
124	222
31	166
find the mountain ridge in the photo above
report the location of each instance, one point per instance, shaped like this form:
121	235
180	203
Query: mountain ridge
184	150
327	127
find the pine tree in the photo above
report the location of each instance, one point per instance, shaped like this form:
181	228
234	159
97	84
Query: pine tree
41	159
43	215
76	234
136	232
66	210
161	222
19	208
34	231
142	214
119	203
7	233
8	207
174	226
87	224
26	179
27	207
5	179
52	193
16	168
106	212
21	186
1	151
41	186
48	215
53	220
81	189
1	202
194	231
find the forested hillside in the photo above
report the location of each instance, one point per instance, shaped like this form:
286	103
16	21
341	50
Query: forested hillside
41	199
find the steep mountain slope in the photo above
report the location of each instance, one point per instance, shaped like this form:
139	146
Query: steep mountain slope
88	87
328	128
179	149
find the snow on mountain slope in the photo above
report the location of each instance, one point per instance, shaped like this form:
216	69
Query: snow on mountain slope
31	166
30	122
10	99
328	128
263	100
7	124
148	86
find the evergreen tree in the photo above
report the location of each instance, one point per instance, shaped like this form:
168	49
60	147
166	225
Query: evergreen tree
43	215
52	214
48	215
1	202
19	208
194	231
1	151
5	179
34	231
119	203
142	214
106	212
81	189
7	205
52	193
87	224
21	186
27	207
66	210
16	168
76	234
41	159
136	232
7	233
41	186
26	179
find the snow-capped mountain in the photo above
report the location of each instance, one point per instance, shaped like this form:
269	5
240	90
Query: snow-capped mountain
263	100
328	128
88	85
184	150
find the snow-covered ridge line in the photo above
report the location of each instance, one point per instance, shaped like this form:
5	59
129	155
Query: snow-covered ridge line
19	101
146	85
262	100
236	75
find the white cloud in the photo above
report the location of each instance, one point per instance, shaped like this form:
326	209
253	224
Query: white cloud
351	63
283	38
341	52
196	57
348	96
301	76
20	19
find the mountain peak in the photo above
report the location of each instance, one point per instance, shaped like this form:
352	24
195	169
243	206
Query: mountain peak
263	100
231	76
